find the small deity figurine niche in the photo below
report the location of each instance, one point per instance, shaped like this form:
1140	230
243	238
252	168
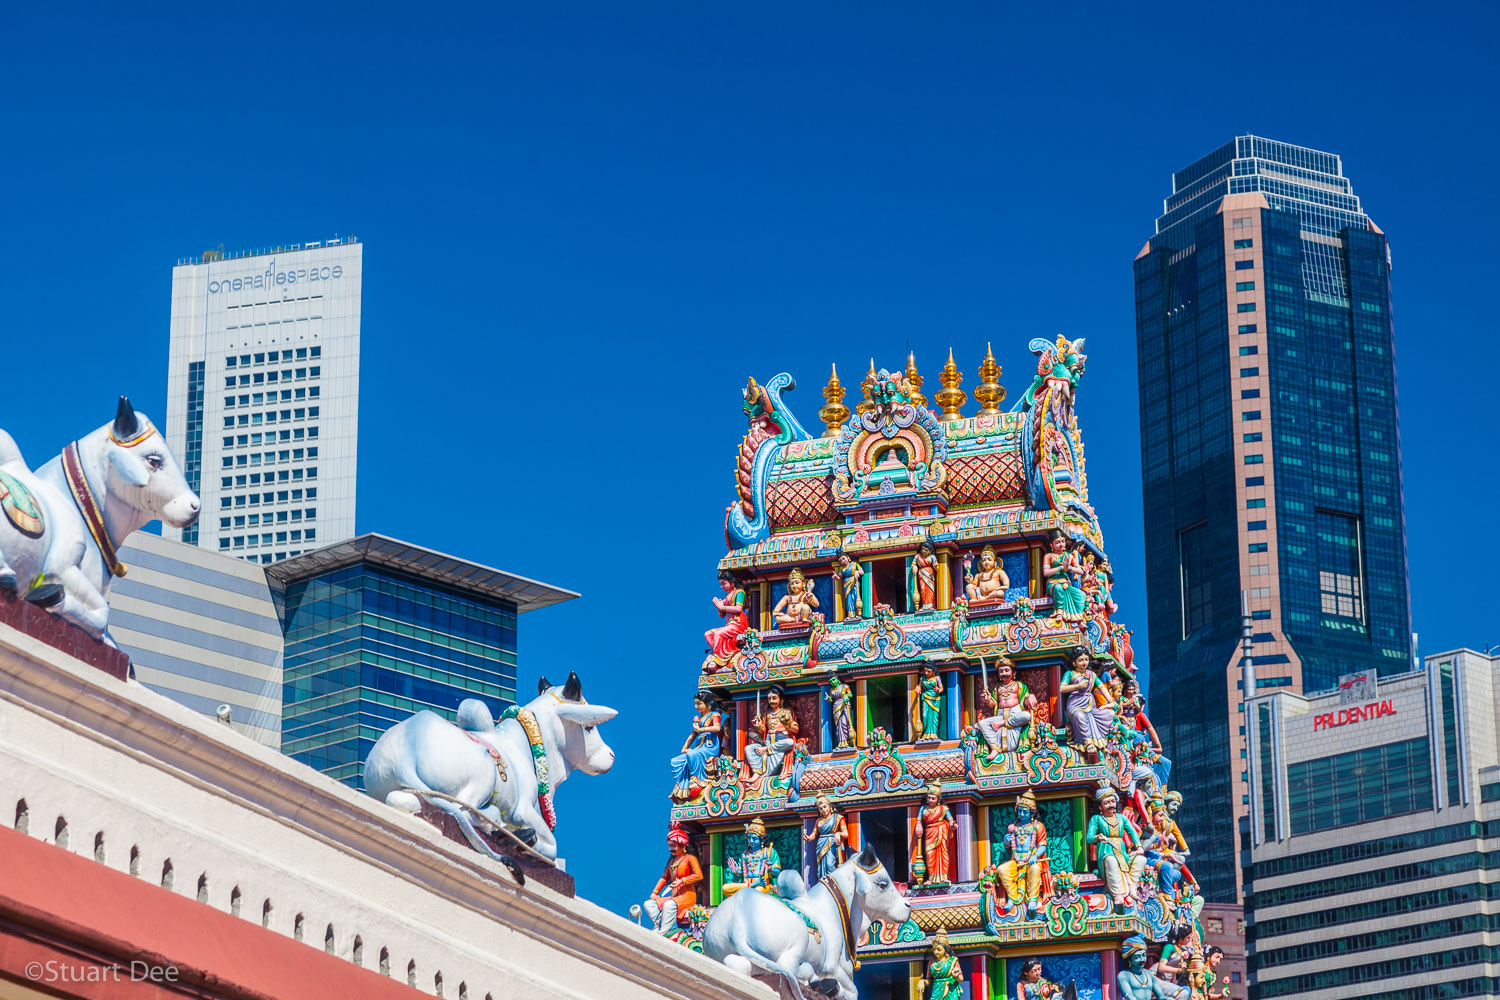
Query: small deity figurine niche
932	847
831	834
945	974
849	572
927	706
758	867
1027	874
924	570
841	697
795	608
724	641
990	583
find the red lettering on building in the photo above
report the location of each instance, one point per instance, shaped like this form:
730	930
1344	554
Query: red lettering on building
1344	716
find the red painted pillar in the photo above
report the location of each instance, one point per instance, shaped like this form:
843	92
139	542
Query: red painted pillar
1109	971
741	727
980	978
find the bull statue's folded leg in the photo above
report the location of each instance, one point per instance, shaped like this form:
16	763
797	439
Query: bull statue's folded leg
82	603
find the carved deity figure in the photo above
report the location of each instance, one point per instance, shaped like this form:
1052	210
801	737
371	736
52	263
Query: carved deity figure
923	585
1011	705
1060	568
932	849
929	705
841	697
1135	982
796	606
1118	843
849	572
831	834
724	641
990	583
676	891
690	767
1027	875
758	866
1088	721
1164	849
1033	985
775	734
946	973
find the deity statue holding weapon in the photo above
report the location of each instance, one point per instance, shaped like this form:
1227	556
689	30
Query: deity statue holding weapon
796	606
1011	705
759	866
945	974
832	835
990	583
777	731
923	582
1027	875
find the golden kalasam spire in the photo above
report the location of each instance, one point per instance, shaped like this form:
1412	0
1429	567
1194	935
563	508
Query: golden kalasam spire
834	412
950	397
914	382
868	385
989	393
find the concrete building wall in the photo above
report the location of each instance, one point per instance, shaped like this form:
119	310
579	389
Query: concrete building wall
201	629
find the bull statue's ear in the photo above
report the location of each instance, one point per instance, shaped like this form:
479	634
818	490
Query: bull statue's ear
125	419
584	715
573	690
867	858
542	684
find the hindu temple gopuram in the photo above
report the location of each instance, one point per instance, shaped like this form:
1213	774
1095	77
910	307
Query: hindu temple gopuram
918	726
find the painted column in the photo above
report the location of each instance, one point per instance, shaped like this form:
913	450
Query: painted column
914	972
953	693
741	726
808	856
971	704
912	812
963	814
1034	581
856	833
999	978
944	583
716	868
838	596
867	589
765	607
1110	970
913	708
825	724
982	858
861	714
979	976
1080	824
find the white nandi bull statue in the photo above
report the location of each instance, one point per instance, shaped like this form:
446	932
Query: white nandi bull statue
64	523
754	931
496	770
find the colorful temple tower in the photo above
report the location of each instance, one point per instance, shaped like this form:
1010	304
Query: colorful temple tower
919	655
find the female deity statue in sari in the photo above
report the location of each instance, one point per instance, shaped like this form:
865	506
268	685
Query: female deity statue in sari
724	641
929	705
690	768
945	974
1120	861
932	853
795	607
923	586
1089	721
849	572
1060	568
841	697
832	836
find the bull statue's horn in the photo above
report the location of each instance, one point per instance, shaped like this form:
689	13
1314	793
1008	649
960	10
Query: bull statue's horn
542	684
125	419
867	858
573	690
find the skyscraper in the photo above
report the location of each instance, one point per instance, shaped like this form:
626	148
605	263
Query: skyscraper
1271	460
263	395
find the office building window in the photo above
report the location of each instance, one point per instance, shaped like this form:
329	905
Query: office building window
1252	437
1249	328
1253	504
1249	372
192	459
1359	786
1255	459
1257	547
1255	526
1194	563
1340	572
1244	286
1255	480
1251	349
1250	415
1450	731
1264	761
1243	244
1243	265
1249	393
1245	307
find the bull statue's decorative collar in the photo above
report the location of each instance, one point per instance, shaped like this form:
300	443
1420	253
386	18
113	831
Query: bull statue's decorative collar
527	719
83	496
845	918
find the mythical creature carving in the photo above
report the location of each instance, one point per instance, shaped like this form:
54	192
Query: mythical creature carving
772	426
892	447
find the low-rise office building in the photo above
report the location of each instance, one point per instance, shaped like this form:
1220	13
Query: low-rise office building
1374	829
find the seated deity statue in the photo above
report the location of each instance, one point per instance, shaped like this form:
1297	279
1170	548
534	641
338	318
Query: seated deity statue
990	583
796	606
758	866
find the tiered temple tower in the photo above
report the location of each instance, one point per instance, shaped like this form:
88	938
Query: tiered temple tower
948	574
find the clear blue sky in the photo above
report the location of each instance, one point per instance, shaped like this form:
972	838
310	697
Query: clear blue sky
585	225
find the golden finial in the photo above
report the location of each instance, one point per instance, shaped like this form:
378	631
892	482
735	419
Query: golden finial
989	393
834	413
868	385
914	382
950	397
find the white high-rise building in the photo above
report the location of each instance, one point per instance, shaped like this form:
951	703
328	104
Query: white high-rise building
263	396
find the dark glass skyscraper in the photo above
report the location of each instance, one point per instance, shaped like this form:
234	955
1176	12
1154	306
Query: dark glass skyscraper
1271	459
377	630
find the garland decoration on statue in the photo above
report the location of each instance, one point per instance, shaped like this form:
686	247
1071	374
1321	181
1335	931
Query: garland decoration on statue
848	924
78	486
538	760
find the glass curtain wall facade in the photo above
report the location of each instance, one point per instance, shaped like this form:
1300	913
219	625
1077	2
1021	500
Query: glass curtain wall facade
367	647
1270	457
